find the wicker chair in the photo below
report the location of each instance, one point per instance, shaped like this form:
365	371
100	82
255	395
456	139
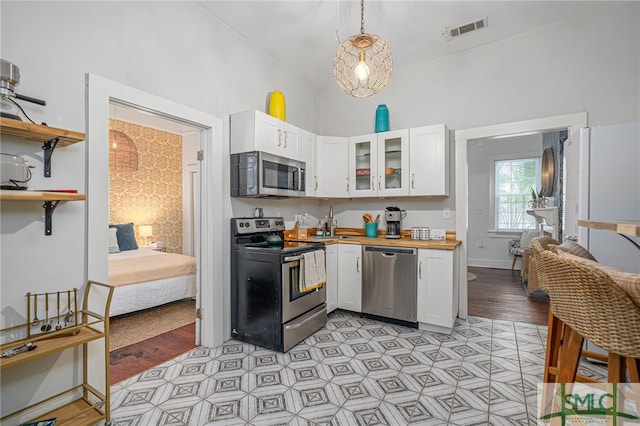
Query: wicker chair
590	305
540	245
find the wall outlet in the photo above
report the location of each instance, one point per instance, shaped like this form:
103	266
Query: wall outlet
446	213
480	244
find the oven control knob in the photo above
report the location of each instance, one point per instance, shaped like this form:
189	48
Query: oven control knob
241	224
246	224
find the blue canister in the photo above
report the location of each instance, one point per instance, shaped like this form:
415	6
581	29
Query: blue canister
382	118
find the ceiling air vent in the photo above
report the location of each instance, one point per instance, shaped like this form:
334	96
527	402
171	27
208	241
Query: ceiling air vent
450	33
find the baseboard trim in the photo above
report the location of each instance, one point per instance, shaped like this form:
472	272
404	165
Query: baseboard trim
488	263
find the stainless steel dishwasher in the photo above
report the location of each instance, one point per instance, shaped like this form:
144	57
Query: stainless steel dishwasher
389	282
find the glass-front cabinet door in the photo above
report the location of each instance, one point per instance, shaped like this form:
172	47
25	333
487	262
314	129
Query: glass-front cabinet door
363	166
393	163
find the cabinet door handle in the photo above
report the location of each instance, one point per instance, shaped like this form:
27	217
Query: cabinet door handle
379	184
285	139
373	183
420	270
347	184
413	183
315	188
358	264
279	137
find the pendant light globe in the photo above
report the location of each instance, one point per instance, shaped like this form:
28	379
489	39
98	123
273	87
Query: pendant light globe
363	64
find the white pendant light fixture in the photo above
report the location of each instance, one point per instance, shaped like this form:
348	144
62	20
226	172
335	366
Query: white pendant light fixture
363	63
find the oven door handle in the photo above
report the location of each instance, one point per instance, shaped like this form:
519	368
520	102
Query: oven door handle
304	321
292	258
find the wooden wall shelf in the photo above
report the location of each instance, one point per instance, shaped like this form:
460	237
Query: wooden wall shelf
50	137
38	132
51	201
11	195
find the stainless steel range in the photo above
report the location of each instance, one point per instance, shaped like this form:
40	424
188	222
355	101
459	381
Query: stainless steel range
266	307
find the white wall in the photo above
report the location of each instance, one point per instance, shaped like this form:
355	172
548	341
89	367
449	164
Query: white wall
170	49
481	154
588	63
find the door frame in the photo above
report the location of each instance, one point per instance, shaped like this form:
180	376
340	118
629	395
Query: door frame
100	92
572	122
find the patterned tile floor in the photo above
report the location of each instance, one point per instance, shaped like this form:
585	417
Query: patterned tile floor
355	371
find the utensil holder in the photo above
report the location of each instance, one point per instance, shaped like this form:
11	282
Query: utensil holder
371	230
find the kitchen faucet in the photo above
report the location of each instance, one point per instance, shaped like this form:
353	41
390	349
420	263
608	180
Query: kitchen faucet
331	224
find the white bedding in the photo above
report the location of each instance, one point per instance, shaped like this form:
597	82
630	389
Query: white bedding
144	295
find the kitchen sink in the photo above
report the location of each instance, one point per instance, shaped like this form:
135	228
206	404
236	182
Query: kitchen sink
335	237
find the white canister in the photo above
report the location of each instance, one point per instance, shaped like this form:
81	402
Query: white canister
425	233
415	233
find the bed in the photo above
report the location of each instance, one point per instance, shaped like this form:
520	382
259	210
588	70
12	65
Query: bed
144	278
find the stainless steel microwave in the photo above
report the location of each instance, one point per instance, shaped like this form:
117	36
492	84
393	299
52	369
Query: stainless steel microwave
259	174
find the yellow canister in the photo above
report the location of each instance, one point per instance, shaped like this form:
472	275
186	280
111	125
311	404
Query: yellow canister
277	106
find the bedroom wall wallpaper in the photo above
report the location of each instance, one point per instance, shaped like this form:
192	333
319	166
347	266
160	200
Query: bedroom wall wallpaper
152	195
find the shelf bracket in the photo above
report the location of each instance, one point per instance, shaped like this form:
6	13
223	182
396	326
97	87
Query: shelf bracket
49	207
48	148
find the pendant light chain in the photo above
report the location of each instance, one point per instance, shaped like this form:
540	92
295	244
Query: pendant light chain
361	16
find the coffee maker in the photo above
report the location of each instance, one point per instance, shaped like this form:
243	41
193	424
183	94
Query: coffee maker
393	216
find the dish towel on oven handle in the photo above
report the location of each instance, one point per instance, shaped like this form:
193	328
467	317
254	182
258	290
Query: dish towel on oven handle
312	271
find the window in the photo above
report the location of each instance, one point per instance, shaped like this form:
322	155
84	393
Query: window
514	180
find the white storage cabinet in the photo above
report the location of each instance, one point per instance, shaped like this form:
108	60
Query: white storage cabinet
350	277
331	264
379	164
307	150
437	289
254	130
429	160
332	167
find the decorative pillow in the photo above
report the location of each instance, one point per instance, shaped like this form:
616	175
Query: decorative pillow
126	236
113	241
576	249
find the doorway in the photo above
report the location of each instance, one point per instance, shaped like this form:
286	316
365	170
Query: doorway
571	122
101	93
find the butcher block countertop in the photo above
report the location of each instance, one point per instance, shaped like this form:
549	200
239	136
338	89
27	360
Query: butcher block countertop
351	236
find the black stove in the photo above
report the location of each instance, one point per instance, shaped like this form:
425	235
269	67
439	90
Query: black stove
267	308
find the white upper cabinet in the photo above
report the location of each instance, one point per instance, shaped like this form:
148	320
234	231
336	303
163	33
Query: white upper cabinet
256	131
307	149
363	165
379	164
407	162
332	167
429	160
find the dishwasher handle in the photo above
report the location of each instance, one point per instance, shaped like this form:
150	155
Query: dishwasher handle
390	251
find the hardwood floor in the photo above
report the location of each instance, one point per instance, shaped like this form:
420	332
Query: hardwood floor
134	359
495	293
499	294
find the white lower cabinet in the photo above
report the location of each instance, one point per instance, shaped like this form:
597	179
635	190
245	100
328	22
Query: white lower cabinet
350	277
437	289
331	265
